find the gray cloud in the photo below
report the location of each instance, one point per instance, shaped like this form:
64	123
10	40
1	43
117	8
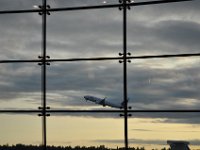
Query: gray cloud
180	131
21	4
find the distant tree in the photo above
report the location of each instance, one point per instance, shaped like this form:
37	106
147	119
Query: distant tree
33	147
131	148
68	148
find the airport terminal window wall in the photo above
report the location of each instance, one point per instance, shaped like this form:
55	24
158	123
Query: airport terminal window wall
144	53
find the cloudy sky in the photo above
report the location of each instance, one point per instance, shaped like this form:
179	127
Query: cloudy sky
171	83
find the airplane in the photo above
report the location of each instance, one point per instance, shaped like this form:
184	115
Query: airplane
103	102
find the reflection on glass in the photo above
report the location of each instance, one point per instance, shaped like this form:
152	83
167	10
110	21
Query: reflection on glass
153	130
85	130
164	83
20	129
68	83
20	86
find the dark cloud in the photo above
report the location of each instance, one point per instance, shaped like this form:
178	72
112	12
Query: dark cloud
188	118
183	34
164	29
164	37
145	142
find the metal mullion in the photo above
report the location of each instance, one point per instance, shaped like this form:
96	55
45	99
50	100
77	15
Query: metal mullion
85	7
125	72
91	7
85	111
157	2
121	111
85	59
20	111
115	5
43	75
104	58
128	57
19	11
19	61
165	56
165	111
25	111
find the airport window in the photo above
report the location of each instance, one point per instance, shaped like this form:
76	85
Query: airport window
95	74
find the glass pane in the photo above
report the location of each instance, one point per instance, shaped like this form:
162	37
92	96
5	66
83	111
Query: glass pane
18	5
20	36
20	129
164	83
85	130
20	86
153	130
88	33
68	83
164	29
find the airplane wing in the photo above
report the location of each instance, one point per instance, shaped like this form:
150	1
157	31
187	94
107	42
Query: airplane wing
102	102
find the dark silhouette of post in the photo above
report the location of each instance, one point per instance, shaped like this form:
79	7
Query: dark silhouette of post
178	145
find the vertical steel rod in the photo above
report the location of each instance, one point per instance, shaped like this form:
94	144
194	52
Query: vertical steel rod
125	73
44	73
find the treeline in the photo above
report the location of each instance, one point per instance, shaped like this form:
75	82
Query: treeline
34	147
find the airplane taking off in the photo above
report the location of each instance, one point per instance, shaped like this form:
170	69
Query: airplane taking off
103	102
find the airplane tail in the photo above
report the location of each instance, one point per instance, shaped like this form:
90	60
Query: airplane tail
123	103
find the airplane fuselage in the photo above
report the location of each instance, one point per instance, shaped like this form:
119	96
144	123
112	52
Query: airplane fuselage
102	102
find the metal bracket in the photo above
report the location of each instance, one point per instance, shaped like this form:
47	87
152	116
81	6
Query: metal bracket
42	114
121	54
127	2
42	58
45	108
128	115
42	9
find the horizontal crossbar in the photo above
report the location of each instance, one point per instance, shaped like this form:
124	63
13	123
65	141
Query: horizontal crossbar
91	7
